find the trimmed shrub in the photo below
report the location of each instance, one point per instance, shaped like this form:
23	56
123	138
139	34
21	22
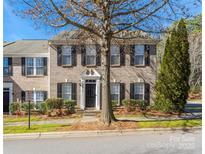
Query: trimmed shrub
54	103
70	105
25	106
14	107
37	106
43	108
114	103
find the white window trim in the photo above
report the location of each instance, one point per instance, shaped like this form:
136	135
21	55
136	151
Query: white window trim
70	84
118	84
67	54
115	54
138	54
93	54
34	67
143	89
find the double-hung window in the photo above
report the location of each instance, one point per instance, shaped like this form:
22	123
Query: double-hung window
35	96
115	92
115	55
90	54
6	66
139	91
66	55
139	58
67	91
35	66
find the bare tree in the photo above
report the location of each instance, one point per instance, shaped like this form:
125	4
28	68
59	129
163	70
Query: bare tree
106	19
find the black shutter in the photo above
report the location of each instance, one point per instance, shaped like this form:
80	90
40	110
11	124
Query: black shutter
122	92
74	91
83	54
131	90
23	96
147	93
10	66
59	55
74	55
23	72
147	55
132	51
98	56
59	90
45	65
45	94
122	55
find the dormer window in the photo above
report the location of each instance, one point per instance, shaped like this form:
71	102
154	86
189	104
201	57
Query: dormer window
115	55
139	58
90	55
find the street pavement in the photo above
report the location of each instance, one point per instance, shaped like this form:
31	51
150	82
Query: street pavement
147	142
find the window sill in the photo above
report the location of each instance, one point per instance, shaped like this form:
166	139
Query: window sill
69	65
115	65
94	65
143	65
34	76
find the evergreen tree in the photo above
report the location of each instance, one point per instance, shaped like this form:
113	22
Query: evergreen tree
172	85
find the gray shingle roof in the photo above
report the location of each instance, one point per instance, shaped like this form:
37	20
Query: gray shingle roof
26	47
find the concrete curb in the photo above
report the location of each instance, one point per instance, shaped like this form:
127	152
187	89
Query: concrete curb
90	133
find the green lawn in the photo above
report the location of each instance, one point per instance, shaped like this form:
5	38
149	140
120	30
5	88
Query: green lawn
8	119
170	124
61	127
34	128
11	118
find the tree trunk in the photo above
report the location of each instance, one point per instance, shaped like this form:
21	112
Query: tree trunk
107	115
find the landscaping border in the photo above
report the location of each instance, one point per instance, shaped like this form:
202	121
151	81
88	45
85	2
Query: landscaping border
90	133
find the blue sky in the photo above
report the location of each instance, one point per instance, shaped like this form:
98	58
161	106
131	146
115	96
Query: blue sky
16	28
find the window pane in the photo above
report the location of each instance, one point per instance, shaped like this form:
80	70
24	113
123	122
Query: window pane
114	97
29	61
115	59
139	91
67	90
90	60
139	49
66	59
139	60
39	96
39	70
6	70
30	71
115	50
6	62
90	50
39	62
66	50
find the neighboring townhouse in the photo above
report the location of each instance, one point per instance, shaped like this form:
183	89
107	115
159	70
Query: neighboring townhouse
69	67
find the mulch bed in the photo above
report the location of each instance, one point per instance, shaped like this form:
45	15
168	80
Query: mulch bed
100	126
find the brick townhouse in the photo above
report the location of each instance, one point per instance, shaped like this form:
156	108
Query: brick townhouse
69	66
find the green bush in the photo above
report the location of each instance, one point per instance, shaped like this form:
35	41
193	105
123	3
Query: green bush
37	106
70	105
162	105
43	108
54	103
13	107
114	103
25	106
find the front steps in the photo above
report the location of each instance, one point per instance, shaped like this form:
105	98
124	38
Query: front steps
88	112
